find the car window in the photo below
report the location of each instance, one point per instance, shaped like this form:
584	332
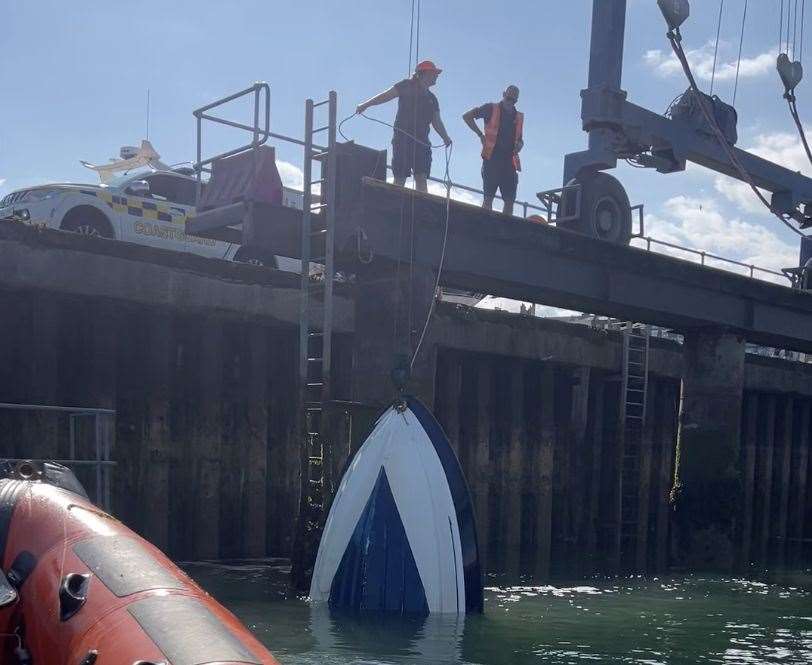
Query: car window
172	188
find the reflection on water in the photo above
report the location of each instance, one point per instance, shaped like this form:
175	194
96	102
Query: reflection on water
635	620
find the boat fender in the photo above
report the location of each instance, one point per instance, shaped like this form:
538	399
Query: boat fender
72	594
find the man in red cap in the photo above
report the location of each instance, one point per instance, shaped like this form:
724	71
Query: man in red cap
418	109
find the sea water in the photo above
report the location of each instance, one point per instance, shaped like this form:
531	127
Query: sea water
687	619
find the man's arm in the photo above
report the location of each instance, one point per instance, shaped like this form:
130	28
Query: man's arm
439	127
385	96
519	145
470	120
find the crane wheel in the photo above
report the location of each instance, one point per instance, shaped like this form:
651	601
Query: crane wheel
604	212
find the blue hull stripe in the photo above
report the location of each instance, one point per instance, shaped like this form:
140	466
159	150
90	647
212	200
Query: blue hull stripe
377	572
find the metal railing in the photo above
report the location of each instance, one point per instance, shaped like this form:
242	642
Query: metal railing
704	256
103	430
259	133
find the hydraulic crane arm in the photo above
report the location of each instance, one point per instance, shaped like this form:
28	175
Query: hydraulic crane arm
618	129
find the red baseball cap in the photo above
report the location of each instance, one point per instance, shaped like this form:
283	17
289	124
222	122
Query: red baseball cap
427	66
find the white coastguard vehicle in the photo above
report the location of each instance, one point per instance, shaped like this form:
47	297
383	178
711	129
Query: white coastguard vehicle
139	200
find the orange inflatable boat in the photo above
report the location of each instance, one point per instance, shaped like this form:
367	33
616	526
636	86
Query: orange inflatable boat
78	587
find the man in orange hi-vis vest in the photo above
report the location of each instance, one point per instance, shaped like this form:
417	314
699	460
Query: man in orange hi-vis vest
501	144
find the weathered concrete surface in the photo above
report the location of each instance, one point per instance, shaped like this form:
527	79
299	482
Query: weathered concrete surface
71	265
518	259
391	307
709	503
204	386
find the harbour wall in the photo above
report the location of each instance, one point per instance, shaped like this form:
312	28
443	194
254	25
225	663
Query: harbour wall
198	359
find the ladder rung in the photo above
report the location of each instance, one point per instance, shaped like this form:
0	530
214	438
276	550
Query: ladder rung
315	334
313	384
313	360
319	155
321	103
321	129
318	233
317	206
320	181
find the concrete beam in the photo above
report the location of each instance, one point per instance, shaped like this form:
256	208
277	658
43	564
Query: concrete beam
518	259
709	506
69	264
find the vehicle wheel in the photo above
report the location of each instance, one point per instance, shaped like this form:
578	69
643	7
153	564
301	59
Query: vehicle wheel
605	212
88	221
256	257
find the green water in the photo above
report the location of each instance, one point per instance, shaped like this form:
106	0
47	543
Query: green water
658	620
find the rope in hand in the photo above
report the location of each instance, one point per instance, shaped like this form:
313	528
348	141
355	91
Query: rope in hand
448	184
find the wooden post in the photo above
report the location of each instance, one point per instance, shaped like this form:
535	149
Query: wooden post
783	497
644	496
207	450
666	478
155	457
253	441
482	457
801	470
284	447
450	380
595	468
765	480
749	468
513	475
579	472
544	479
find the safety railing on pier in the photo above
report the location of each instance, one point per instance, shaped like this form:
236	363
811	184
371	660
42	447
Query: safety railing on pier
83	435
704	256
550	199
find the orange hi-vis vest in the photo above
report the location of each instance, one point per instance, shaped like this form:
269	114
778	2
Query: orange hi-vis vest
492	130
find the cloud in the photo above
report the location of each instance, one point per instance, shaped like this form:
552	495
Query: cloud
781	148
2	181
290	174
665	64
700	224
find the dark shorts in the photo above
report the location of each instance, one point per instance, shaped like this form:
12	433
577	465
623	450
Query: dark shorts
409	156
499	174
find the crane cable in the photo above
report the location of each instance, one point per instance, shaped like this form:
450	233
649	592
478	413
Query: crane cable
739	59
716	46
675	38
414	47
789	93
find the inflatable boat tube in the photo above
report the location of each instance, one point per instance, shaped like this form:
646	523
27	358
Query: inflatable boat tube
78	587
401	536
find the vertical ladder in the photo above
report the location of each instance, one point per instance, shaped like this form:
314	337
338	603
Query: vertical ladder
634	389
315	326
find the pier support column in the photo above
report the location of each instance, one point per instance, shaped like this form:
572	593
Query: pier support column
709	504
391	306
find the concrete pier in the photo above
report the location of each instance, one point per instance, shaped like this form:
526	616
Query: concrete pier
198	358
709	505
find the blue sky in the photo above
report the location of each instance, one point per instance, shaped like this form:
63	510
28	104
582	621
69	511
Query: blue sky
75	77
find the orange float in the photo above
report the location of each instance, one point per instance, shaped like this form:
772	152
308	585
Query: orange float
81	588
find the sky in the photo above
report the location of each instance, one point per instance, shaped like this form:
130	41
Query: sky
75	78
